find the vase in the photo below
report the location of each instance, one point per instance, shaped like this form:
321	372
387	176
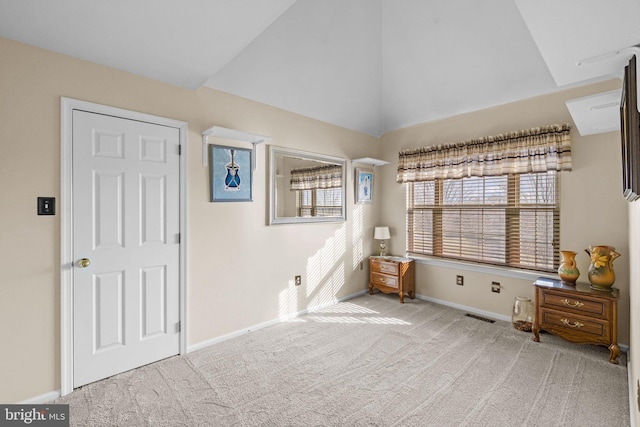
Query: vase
601	274
522	314
568	270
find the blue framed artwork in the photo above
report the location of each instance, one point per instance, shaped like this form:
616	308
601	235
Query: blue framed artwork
364	186
230	174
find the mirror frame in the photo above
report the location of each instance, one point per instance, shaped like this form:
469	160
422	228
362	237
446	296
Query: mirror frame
275	151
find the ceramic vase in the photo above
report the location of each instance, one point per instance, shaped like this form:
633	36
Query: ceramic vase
601	274
568	270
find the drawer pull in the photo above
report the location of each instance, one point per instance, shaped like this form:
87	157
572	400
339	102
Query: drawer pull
576	304
575	325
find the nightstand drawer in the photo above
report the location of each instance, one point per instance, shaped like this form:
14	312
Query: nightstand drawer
381	279
578	305
577	313
385	267
574	324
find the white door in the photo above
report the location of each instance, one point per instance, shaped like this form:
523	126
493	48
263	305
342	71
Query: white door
126	242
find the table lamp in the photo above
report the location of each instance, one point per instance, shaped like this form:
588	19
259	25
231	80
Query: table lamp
382	234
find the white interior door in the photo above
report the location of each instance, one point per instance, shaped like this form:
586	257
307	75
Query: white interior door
126	244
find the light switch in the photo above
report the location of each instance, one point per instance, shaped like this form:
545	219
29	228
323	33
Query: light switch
46	205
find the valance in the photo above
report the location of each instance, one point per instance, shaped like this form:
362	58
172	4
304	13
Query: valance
326	176
538	149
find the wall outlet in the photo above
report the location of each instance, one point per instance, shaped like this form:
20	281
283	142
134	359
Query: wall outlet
495	287
361	265
298	280
460	280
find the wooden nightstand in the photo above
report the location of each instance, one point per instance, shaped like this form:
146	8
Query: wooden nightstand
577	313
392	274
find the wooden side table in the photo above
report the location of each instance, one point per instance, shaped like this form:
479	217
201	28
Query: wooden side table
577	313
392	274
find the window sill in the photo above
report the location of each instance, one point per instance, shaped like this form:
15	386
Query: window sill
487	269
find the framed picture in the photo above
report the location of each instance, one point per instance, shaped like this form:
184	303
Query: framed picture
230	174
364	186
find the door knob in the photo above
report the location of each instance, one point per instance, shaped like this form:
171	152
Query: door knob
84	262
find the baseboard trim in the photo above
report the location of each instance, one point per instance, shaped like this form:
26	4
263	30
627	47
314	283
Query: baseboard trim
42	399
213	341
472	310
632	409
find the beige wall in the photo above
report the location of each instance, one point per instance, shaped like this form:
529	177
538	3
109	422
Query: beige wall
593	210
240	271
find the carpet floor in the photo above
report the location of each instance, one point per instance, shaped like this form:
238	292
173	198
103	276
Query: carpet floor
369	361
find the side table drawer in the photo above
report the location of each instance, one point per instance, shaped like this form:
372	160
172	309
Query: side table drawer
575	324
385	267
577	313
578	305
381	279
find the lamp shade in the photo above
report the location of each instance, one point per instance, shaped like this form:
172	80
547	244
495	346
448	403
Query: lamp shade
381	233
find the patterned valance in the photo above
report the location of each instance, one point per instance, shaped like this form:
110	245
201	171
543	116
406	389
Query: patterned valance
326	176
534	150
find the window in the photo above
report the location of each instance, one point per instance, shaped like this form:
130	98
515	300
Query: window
319	202
508	220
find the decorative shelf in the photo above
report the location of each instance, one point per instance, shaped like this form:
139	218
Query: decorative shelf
232	134
370	161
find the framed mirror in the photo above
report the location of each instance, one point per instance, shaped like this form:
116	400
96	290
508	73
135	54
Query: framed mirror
306	187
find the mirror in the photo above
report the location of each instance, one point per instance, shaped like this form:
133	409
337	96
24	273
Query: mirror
306	187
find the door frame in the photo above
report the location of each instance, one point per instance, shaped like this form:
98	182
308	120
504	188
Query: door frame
66	224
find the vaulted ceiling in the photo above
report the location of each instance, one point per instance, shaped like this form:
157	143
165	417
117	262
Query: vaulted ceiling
368	65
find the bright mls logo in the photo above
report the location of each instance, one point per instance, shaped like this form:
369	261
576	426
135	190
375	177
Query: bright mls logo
34	415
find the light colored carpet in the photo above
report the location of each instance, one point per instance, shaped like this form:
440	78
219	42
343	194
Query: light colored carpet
369	361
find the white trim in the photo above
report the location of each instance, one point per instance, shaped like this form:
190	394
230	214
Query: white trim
42	399
473	310
217	340
66	224
484	268
632	411
210	342
370	161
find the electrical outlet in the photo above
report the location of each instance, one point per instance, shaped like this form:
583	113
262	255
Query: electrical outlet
361	265
298	280
460	280
495	287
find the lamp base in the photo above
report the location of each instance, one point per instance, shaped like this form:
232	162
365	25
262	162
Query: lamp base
382	249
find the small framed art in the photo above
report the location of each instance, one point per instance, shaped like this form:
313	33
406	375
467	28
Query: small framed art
364	185
230	174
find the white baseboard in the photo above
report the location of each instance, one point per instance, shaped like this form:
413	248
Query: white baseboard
632	409
42	399
208	343
472	310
